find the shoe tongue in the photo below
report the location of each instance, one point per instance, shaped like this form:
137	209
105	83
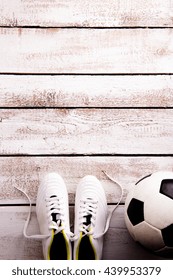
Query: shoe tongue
88	219
54	215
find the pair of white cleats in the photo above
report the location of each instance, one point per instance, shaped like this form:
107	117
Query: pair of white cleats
91	219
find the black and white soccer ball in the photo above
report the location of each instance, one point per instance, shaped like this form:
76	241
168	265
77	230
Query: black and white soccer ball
149	212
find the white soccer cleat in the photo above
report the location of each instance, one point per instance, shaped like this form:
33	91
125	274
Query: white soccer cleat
90	219
53	218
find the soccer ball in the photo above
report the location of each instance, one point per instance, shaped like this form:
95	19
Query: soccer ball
149	212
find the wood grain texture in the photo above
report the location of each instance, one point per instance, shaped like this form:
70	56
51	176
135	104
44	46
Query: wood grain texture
86	13
26	172
117	242
86	91
86	50
86	131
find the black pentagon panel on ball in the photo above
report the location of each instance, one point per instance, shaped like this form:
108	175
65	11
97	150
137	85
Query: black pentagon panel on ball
135	211
166	188
167	234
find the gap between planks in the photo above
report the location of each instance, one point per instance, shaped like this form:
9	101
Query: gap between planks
84	27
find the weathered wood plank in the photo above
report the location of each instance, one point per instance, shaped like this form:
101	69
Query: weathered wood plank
117	243
26	173
82	91
86	131
86	13
86	50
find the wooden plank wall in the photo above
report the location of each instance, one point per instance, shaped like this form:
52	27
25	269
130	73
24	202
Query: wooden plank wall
85	87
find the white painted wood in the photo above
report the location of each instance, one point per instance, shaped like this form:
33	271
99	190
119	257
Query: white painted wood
86	50
86	131
86	13
13	244
86	91
117	242
26	173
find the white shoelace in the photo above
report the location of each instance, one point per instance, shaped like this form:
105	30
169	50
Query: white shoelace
88	207
53	207
110	213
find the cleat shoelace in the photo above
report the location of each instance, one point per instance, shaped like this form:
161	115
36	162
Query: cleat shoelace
55	213
87	215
